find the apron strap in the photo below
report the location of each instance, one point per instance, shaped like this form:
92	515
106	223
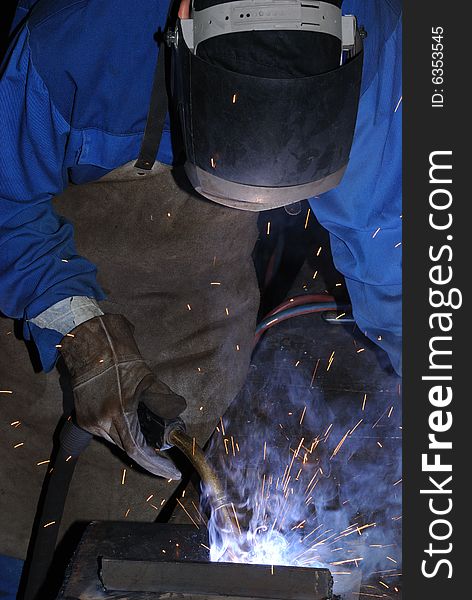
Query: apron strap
157	109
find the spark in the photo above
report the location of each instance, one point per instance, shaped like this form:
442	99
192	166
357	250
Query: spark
376	232
314	372
384	584
341	315
227	311
200	516
397	482
222	426
315	274
390	412
43	462
49	524
379	419
189	307
355	427
215	283
379	444
308	486
213	163
330	361
307	217
18	445
357	530
319	251
392	559
398	105
364	401
265	451
343	562
15	423
360	350
68	458
237	347
303	415
297	363
268	228
127	512
201	544
188	514
64	260
123	477
236	518
398	245
149	497
328	430
338	447
235	97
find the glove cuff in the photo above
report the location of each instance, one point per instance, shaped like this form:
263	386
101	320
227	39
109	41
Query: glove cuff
97	344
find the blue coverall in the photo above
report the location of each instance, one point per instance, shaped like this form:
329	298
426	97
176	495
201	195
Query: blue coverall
74	95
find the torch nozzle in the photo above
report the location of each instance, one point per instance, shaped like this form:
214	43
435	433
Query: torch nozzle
219	502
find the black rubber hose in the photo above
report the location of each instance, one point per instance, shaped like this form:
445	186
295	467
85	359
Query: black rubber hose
73	441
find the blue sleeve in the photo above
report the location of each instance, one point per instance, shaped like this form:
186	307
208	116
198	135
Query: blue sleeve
363	214
39	264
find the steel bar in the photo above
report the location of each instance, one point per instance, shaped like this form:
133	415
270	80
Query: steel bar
218	579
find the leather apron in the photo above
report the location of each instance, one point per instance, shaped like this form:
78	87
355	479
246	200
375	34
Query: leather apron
179	267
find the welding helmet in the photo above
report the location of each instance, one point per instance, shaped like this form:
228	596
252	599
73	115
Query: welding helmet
267	94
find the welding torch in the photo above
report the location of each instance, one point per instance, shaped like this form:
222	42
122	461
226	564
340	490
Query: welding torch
165	433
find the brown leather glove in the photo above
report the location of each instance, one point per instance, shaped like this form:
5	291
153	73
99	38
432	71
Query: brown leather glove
109	380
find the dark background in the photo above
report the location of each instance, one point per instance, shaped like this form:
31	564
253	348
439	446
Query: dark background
6	16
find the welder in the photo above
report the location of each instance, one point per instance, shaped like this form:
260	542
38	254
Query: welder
126	242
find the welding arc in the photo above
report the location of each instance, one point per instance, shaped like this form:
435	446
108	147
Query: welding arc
296	308
220	505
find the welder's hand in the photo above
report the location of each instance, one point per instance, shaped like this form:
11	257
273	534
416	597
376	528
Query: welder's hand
109	380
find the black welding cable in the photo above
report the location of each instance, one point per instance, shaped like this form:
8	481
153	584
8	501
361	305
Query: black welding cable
73	441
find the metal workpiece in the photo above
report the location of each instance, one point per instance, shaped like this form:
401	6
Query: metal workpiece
150	561
227	580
